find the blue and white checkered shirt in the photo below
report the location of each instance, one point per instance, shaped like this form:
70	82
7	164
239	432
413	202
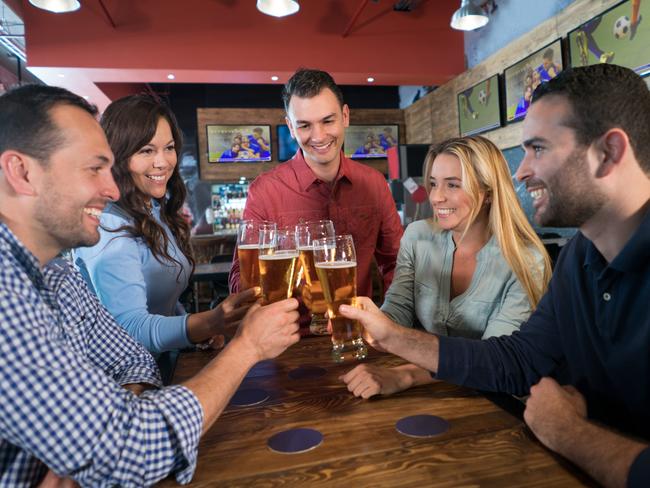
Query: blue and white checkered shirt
62	361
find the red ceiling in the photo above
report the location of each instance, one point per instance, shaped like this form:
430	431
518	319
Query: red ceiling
229	41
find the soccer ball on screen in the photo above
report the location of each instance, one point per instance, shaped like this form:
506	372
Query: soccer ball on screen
622	27
482	97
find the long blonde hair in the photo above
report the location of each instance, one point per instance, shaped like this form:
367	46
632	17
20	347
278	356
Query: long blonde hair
485	170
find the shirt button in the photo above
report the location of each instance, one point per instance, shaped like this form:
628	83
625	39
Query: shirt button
607	297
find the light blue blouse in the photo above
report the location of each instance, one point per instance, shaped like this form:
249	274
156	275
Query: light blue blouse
494	304
140	292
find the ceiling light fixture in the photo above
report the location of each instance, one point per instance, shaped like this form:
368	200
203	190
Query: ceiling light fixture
57	6
371	79
278	8
171	76
274	78
468	17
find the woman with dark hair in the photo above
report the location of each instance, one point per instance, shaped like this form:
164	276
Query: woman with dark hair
143	261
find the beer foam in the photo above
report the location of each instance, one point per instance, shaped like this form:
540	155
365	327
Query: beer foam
279	255
249	246
337	264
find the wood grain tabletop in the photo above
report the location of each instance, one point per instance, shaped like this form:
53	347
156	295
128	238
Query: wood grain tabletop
485	445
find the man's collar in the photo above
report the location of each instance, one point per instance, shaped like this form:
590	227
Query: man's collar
633	254
306	177
10	243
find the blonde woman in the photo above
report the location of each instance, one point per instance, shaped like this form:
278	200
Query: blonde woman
476	270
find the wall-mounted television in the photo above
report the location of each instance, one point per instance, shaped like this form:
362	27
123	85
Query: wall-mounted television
238	143
370	141
479	109
287	145
620	35
522	78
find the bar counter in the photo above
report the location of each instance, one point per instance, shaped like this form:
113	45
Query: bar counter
484	446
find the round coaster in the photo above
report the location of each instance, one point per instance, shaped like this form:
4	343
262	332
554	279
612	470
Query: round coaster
422	426
248	397
306	372
294	441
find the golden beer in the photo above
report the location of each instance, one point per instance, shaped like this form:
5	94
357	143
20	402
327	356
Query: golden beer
312	292
339	280
249	268
277	275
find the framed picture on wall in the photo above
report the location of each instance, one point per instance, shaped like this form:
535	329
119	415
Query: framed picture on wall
479	109
238	143
287	145
522	78
370	141
616	36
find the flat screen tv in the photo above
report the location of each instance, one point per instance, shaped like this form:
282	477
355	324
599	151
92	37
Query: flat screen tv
620	35
287	145
238	143
370	141
522	78
479	109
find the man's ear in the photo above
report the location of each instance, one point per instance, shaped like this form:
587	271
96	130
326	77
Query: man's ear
18	170
610	148
291	129
346	115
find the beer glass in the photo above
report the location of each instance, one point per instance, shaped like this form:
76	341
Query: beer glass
336	266
312	291
278	255
248	244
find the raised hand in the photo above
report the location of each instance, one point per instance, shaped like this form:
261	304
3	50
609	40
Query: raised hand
270	330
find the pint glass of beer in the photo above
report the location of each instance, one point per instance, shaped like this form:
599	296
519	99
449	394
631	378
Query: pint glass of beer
336	265
312	290
277	259
248	245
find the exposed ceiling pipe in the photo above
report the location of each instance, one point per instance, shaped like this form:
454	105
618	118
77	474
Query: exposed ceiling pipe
354	18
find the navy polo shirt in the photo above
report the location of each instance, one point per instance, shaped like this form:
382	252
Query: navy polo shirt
590	330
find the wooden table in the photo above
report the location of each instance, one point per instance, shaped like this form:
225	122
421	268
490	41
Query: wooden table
485	445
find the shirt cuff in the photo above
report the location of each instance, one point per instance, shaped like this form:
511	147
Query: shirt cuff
142	374
184	415
173	333
639	475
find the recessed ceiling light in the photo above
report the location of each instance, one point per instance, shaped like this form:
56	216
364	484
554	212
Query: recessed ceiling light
171	76
274	78
371	79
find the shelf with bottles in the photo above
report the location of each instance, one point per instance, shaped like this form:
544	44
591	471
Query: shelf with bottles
227	206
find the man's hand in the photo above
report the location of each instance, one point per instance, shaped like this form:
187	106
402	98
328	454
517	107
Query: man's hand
552	410
270	330
378	328
366	380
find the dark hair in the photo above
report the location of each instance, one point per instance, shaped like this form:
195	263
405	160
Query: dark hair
548	54
130	123
25	122
601	97
307	83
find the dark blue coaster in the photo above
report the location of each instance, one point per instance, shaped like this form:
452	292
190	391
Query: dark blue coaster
248	397
422	426
294	441
306	372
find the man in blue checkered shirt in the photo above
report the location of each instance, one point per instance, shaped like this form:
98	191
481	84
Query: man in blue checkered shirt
69	375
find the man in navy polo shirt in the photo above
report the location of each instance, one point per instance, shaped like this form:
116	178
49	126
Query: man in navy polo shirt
584	354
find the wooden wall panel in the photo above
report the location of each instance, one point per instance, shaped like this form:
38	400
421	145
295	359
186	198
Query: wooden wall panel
273	117
442	105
